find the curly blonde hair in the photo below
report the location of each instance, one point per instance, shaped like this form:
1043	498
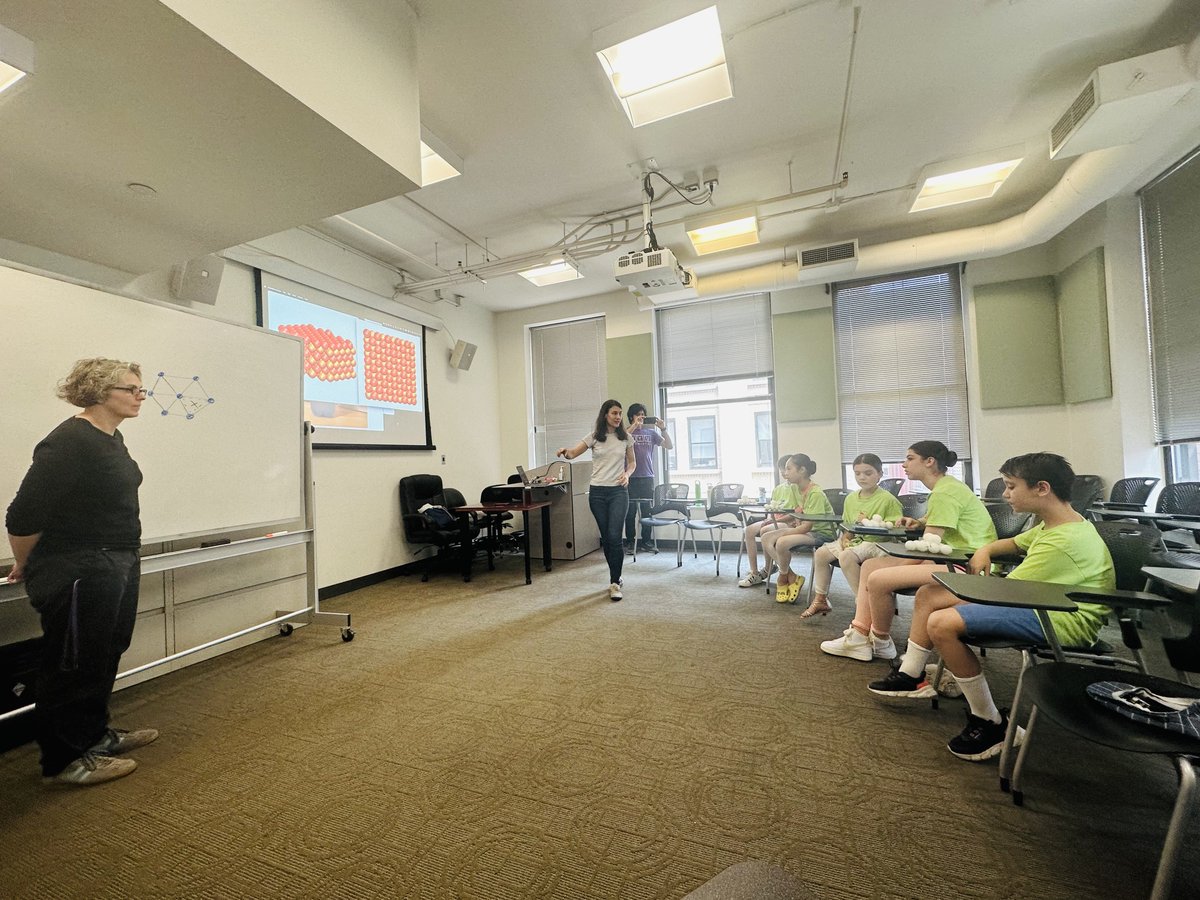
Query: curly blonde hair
90	380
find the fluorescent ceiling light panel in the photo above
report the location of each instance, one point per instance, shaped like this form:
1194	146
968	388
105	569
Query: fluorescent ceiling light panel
669	70
558	271
16	58
736	230
962	186
433	167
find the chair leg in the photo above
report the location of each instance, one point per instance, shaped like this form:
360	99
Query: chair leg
1175	831
1018	796
937	681
1010	736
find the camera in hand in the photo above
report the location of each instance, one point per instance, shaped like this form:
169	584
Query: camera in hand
650	420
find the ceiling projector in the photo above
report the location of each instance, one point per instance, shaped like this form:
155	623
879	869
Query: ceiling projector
652	272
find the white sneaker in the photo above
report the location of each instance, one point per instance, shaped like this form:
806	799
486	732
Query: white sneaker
93	768
614	592
753	579
851	644
883	648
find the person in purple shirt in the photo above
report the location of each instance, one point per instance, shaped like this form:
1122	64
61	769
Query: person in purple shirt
646	434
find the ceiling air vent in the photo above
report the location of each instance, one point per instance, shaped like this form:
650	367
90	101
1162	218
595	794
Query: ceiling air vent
844	253
1121	102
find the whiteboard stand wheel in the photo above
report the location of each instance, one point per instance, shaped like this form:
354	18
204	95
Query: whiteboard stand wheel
347	634
286	629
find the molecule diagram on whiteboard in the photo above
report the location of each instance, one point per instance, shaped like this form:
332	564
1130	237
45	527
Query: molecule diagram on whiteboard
179	395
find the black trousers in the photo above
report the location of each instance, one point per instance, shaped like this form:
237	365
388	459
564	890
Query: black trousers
87	600
641	487
609	505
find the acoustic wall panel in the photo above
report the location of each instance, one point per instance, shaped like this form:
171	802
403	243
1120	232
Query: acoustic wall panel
1016	325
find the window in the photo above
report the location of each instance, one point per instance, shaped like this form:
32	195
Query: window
570	378
702	442
715	375
672	459
901	364
764	440
1171	257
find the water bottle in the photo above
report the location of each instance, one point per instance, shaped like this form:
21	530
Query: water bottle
762	495
698	497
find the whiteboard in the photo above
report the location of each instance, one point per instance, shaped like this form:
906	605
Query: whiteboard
220	444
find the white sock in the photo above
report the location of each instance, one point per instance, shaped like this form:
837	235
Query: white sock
979	697
915	657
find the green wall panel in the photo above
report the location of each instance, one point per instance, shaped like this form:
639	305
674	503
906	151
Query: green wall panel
1016	323
630	363
805	371
1083	322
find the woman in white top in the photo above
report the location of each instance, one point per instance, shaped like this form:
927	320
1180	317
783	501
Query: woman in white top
612	464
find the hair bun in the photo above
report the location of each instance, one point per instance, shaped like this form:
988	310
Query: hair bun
951	458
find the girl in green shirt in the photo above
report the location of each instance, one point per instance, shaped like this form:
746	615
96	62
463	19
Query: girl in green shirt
955	514
852	550
797	533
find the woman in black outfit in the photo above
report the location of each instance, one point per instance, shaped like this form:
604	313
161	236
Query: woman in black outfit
75	533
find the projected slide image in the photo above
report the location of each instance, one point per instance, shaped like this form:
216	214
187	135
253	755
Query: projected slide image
327	356
389	368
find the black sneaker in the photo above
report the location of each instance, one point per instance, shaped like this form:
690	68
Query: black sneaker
981	739
645	547
897	685
628	548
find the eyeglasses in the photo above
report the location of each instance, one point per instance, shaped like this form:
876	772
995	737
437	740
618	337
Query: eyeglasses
131	390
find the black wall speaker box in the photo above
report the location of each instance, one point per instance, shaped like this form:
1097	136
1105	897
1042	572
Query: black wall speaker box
197	280
462	355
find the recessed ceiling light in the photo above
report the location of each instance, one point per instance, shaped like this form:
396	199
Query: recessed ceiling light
723	231
433	167
16	58
962	185
555	272
669	70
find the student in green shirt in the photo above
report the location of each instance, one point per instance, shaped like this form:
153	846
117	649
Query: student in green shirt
853	549
784	496
955	514
1064	548
778	545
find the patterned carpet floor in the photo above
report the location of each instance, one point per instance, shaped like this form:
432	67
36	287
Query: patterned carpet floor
493	740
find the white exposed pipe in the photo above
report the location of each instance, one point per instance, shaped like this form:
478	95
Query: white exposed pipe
1091	180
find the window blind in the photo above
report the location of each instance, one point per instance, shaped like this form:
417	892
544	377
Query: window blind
1171	253
901	363
570	381
714	339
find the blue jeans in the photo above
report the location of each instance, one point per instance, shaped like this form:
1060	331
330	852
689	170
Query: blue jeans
608	506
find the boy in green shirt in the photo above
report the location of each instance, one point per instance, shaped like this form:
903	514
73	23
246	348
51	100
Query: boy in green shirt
1064	549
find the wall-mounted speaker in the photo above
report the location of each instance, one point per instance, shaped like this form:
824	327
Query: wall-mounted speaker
197	280
462	355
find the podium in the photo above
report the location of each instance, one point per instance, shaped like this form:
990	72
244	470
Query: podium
573	531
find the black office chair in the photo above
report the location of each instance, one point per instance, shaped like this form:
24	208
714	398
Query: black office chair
721	514
914	505
1059	692
893	485
417	491
994	489
1086	492
668	507
500	533
837	499
1180	499
1008	522
1130	493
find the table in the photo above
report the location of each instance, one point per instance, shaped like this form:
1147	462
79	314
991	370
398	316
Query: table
898	550
1040	596
494	510
1186	580
868	531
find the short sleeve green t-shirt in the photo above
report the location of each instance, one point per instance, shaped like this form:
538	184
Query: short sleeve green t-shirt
814	502
786	494
881	502
1073	553
964	519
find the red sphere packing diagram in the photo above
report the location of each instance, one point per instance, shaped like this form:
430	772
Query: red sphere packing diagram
327	356
389	368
